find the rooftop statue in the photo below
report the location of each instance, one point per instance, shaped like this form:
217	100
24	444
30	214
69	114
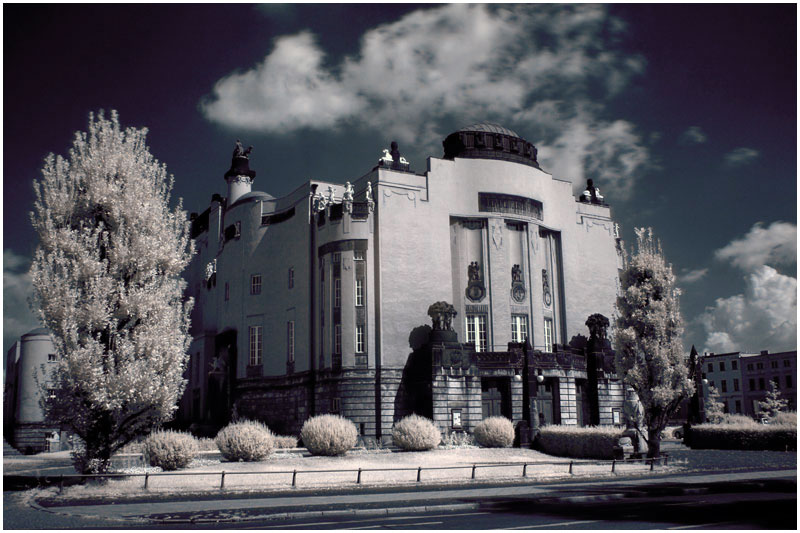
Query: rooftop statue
591	194
442	314
239	151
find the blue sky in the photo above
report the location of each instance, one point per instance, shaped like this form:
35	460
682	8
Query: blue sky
685	116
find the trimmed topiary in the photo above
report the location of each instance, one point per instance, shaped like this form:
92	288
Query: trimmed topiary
245	441
416	433
170	450
494	432
581	442
328	435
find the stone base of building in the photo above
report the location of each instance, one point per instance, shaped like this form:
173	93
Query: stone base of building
32	438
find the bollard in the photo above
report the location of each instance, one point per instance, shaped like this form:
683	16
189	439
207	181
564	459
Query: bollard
473	471
613	465
294	478
222	481
525	470
652	464
146	477
419	474
570	467
359	477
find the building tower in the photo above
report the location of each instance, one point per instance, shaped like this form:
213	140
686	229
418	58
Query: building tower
239	177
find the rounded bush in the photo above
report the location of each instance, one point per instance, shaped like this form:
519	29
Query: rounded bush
170	450
495	432
244	441
416	433
328	435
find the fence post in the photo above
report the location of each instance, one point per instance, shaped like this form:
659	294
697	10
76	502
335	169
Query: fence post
294	478
146	477
359	476
613	465
473	471
419	474
61	484
222	481
652	464
570	467
525	470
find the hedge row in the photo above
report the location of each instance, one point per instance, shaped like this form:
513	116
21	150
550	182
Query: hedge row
757	437
579	442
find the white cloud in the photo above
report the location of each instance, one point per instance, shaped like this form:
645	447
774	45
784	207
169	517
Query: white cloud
693	276
17	316
763	318
741	156
531	68
693	135
775	244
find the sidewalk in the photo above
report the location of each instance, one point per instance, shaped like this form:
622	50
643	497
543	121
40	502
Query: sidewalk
376	502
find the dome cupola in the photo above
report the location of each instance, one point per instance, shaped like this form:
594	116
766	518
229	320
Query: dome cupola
490	141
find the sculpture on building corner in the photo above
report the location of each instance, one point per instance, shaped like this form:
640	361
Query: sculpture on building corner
393	159
239	151
442	314
598	326
591	194
517	285
347	198
546	296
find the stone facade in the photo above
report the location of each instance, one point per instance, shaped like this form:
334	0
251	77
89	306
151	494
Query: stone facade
316	302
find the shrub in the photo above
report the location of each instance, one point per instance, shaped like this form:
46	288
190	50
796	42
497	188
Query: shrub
579	442
784	419
416	433
244	441
328	435
281	441
458	439
737	420
495	432
743	437
169	449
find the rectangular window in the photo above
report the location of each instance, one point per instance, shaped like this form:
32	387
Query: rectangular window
735	385
777	382
759	365
358	255
476	331
710	384
519	328
291	278
722	366
738	406
255	345
734	365
761	384
548	334
337	339
51	358
227	292
255	284
788	382
360	338
290	341
774	364
724	386
752	384
710	367
337	293
749	366
337	257
359	292
787	363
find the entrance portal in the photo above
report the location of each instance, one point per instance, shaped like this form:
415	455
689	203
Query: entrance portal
547	402
496	397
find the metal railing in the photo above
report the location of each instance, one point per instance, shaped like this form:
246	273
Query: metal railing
358	472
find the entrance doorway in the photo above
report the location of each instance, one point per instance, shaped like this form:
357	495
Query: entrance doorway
547	402
495	397
582	402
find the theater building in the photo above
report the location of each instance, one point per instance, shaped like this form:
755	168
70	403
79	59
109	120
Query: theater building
322	301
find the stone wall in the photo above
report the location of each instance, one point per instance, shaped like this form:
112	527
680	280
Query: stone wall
611	395
458	391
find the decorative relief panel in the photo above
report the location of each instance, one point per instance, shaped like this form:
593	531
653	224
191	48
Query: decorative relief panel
517	285
476	290
546	296
507	203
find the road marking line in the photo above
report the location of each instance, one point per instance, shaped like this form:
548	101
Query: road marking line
421	524
699	526
554	524
291	525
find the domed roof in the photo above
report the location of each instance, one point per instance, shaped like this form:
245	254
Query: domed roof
488	127
251	197
37	331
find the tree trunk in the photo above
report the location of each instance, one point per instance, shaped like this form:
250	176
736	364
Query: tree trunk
653	443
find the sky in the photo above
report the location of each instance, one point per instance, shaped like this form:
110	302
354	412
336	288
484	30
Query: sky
685	117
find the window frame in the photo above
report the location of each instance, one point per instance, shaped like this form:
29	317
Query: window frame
337	293
548	334
256	345
337	339
359	338
290	341
476	331
359	292
519	334
255	284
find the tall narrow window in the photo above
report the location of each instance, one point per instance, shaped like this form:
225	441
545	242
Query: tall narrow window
548	334
360	338
227	291
724	386
359	292
788	382
337	293
291	278
734	365
735	385
255	345
337	339
51	358
476	331
722	366
290	341
519	328
255	284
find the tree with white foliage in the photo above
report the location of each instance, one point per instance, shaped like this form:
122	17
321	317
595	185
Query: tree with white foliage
715	409
106	280
772	404
649	351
